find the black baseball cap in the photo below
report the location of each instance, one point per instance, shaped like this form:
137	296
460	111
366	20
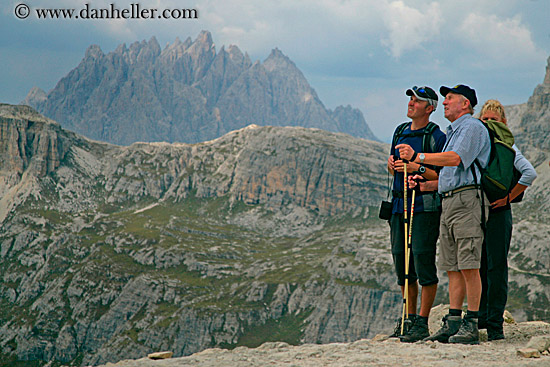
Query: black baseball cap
424	94
462	89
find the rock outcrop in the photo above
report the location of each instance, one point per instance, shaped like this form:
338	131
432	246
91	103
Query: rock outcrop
527	344
535	116
106	251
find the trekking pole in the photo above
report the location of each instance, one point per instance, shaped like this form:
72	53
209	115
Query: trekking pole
405	220
409	242
417	188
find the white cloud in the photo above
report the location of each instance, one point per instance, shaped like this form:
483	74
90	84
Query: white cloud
410	28
501	40
120	27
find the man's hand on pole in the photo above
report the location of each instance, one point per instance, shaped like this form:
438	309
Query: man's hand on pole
406	152
419	183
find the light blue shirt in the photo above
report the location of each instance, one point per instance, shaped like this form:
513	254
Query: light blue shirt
468	138
528	173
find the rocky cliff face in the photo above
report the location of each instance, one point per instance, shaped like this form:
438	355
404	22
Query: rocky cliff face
534	124
109	252
530	123
186	92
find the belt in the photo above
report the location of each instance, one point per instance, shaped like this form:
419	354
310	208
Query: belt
448	194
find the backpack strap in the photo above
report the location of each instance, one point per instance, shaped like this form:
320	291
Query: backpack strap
399	132
428	140
480	188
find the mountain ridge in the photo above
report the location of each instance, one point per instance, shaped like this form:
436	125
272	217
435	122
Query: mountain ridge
84	224
186	92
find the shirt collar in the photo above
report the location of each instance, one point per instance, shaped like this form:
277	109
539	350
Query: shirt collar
457	123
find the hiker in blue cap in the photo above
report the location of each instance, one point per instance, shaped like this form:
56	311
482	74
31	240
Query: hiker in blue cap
460	232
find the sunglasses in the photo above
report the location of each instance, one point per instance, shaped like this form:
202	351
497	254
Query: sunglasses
421	91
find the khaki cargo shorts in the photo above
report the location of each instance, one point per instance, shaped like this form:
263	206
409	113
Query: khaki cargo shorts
460	232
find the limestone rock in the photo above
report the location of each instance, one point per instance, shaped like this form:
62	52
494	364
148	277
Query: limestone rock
508	318
529	353
540	343
535	117
160	355
93	290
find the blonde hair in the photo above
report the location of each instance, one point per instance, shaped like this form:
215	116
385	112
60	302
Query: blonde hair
495	106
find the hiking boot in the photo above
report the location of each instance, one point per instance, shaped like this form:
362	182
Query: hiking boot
418	331
397	331
468	332
495	334
450	327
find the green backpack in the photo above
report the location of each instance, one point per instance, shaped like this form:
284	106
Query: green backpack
498	177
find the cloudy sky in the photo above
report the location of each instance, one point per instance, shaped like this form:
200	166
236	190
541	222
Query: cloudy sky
365	53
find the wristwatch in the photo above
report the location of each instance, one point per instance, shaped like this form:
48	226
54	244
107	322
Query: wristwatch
422	169
422	156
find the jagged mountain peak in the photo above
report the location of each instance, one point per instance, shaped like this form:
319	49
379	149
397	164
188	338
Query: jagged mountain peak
188	42
121	49
175	50
205	37
278	60
547	76
276	53
234	50
237	56
202	43
154	44
536	117
185	92
144	51
94	52
34	97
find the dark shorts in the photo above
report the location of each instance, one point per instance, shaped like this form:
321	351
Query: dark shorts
425	233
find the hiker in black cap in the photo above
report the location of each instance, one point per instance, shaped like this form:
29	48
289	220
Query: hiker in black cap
461	235
424	136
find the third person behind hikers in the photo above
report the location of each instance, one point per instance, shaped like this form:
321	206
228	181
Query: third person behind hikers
494	260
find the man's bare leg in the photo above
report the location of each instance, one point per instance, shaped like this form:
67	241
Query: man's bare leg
427	298
413	297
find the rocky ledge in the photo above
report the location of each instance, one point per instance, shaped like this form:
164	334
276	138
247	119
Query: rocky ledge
526	344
